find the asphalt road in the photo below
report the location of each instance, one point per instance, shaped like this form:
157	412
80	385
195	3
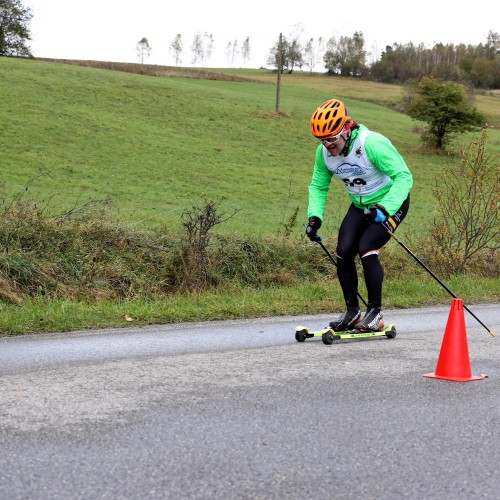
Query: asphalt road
239	409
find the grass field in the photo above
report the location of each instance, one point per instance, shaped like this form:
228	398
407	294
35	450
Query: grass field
154	146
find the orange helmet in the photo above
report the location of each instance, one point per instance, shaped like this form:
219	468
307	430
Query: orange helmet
329	119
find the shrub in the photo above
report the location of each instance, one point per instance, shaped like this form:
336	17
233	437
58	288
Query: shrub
464	235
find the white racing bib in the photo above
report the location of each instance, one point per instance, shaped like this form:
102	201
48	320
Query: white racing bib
360	176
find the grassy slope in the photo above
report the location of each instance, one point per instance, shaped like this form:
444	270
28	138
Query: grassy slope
155	145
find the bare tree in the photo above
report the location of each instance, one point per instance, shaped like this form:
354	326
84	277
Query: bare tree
245	49
310	56
374	54
313	52
229	52
234	52
202	48
176	49
197	49
198	263
143	49
208	45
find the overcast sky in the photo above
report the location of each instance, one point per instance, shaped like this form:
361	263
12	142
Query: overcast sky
109	30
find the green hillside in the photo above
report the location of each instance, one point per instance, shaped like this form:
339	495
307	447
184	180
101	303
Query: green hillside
150	147
155	145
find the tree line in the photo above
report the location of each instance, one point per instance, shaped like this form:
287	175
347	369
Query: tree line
201	49
477	65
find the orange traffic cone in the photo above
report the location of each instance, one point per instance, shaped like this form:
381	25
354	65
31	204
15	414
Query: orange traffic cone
453	362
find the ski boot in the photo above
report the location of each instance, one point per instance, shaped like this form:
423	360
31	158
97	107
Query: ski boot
373	321
348	320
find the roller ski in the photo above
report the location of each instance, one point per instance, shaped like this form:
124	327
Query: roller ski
350	326
328	335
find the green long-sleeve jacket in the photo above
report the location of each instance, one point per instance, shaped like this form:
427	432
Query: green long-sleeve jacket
373	172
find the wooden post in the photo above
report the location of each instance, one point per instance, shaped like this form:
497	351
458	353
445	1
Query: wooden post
280	66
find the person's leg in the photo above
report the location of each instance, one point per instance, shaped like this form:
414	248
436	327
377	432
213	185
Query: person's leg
373	239
350	231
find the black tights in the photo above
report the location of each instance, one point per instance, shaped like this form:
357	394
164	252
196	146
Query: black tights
365	238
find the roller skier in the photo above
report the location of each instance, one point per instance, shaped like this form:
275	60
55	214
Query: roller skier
378	183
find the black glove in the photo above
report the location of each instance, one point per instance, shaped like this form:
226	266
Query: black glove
377	213
312	227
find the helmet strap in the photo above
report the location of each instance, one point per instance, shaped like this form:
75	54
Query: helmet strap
345	149
347	131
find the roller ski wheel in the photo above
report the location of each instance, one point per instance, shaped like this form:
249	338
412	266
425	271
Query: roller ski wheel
390	331
302	333
329	337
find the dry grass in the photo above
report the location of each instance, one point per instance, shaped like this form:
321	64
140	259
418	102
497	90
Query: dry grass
155	70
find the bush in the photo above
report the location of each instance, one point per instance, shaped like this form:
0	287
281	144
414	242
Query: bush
465	234
83	255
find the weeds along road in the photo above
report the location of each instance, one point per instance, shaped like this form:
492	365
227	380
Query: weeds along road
239	409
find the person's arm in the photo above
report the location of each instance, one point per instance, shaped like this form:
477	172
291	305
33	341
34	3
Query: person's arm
382	153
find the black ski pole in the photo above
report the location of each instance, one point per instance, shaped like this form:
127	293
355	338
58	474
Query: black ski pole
317	239
438	280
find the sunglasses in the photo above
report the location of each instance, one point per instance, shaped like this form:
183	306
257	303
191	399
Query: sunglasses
332	140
